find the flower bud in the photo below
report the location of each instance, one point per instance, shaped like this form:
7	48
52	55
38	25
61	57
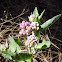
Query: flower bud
31	40
31	17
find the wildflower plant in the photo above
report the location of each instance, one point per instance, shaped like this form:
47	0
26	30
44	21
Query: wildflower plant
30	31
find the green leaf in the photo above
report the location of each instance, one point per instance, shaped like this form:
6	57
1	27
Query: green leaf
19	61
37	33
29	60
35	12
7	54
6	45
13	46
49	22
41	15
44	44
38	21
18	42
23	56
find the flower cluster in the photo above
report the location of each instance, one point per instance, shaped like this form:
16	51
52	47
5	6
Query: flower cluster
25	28
35	26
31	17
31	40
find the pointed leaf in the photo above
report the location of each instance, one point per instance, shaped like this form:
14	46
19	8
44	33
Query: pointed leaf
49	22
13	46
41	15
35	12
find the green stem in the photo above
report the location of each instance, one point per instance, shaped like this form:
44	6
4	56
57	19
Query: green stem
29	50
32	32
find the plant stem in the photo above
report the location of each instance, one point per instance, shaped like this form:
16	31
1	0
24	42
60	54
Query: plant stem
29	49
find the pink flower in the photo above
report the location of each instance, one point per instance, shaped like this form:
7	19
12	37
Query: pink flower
29	28
35	25
22	32
31	40
22	25
31	17
23	22
27	24
25	28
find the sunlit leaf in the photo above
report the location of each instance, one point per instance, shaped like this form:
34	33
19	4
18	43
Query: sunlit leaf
41	15
7	54
13	46
35	12
29	60
49	22
44	44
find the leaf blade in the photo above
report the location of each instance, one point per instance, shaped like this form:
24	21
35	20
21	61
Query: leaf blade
18	42
23	56
41	15
49	22
35	12
44	44
13	46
